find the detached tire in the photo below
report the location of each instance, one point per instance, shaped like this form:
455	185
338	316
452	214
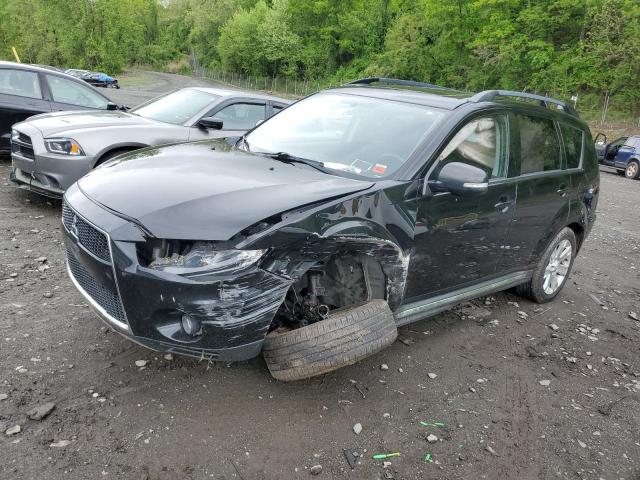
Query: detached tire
344	338
557	259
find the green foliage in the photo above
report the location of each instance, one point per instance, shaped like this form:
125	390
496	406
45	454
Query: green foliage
557	47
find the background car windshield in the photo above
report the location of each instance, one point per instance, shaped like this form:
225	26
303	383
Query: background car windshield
366	136
177	107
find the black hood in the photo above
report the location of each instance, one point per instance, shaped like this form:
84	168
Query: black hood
207	190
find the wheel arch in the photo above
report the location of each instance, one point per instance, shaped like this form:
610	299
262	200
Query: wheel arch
118	148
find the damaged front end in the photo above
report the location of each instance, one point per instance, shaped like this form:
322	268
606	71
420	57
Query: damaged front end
219	298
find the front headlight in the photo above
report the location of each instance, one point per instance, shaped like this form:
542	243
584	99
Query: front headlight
203	258
64	146
15	135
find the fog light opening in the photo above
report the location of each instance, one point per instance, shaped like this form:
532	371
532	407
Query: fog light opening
191	326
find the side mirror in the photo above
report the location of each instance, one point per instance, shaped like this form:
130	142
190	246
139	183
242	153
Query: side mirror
112	106
460	179
211	123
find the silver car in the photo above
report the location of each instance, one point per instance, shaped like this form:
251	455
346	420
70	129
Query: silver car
49	152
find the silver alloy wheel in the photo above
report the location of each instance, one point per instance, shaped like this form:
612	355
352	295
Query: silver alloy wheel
557	268
632	170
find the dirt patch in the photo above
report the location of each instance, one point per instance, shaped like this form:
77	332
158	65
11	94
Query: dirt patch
516	397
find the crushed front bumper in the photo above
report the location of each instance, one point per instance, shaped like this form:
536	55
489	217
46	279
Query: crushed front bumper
147	306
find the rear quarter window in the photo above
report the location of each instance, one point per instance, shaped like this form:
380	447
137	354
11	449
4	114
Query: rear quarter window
539	145
573	145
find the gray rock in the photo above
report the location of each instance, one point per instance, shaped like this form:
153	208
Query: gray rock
357	428
60	443
41	411
3	396
491	450
316	470
47	294
432	438
13	430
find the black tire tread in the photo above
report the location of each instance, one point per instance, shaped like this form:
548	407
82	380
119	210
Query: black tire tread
344	338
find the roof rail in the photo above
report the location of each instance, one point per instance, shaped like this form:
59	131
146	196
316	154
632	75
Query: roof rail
490	95
395	81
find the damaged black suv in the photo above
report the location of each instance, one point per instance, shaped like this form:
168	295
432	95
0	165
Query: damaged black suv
352	212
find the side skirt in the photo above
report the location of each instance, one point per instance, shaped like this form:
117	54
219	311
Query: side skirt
415	311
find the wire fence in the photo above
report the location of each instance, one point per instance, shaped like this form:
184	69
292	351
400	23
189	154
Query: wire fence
298	88
283	86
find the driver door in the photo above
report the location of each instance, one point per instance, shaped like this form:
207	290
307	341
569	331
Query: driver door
237	118
459	240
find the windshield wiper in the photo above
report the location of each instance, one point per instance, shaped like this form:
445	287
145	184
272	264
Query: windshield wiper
288	158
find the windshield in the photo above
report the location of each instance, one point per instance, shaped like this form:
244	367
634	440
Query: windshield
176	107
366	136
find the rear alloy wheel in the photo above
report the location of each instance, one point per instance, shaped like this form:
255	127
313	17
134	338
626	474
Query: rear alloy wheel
632	171
345	337
552	270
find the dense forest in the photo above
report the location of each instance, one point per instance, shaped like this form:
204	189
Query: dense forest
559	47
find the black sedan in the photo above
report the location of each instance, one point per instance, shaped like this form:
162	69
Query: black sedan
97	79
27	90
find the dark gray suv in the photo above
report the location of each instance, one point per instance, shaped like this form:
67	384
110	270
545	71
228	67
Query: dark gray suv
315	235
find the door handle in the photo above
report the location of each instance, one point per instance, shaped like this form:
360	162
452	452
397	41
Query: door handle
503	204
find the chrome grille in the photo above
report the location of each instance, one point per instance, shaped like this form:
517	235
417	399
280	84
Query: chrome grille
22	138
92	239
21	145
102	296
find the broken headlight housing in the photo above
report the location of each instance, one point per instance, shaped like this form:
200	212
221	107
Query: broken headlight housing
202	258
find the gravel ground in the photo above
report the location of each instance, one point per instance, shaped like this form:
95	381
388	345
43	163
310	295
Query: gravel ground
508	389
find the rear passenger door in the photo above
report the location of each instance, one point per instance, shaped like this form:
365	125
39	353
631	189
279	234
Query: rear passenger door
544	190
20	97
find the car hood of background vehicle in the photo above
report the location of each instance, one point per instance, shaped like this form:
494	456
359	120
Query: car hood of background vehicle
59	123
207	190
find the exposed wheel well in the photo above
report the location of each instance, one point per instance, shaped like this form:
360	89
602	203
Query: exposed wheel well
356	273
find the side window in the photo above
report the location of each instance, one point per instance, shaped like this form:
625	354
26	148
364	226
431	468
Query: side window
20	83
573	140
241	116
483	143
539	145
64	90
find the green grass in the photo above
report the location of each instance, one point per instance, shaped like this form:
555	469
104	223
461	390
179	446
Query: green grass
134	78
